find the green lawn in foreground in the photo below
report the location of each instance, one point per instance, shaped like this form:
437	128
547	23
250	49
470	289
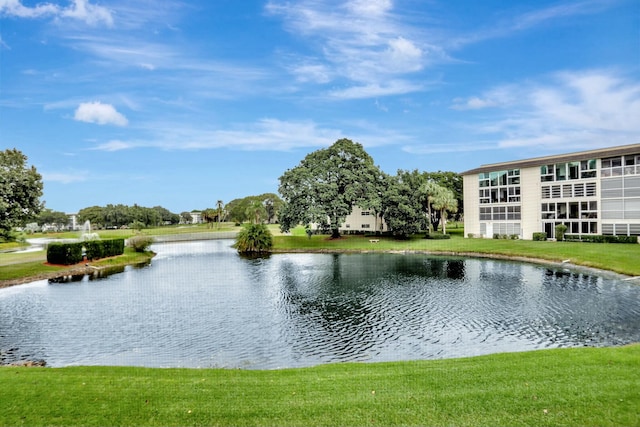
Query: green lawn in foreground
549	387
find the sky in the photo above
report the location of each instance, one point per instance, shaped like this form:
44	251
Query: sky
182	103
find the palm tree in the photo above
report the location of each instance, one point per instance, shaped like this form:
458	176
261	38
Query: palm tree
430	190
219	211
444	201
254	238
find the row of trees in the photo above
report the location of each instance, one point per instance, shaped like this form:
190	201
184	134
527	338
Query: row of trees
135	216
328	183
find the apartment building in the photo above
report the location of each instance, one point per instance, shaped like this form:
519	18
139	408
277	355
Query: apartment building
591	192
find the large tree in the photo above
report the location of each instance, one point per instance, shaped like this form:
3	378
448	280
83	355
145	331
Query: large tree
403	204
20	191
327	184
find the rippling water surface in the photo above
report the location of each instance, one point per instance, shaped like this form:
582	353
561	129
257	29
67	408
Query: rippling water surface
199	304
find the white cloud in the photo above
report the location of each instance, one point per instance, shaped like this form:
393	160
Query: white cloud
17	9
80	10
267	134
571	110
92	14
374	90
102	114
361	42
114	146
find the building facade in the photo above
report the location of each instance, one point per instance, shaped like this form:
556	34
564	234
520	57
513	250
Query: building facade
591	192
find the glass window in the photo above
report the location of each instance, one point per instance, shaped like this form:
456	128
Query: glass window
574	170
561	171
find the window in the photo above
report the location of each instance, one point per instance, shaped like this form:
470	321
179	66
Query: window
365	226
588	169
485	214
574	170
513	212
499	186
561	172
546	173
366	213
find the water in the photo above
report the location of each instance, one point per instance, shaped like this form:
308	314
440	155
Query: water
199	304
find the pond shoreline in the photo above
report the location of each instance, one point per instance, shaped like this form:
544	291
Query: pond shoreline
80	269
501	257
167	239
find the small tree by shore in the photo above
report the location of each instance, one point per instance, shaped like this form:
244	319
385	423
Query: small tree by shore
254	238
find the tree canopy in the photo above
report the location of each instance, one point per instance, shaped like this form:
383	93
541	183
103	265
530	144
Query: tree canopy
327	184
20	191
247	209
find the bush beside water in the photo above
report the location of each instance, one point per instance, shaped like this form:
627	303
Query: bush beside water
71	253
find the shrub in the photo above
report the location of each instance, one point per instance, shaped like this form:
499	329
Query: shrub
591	238
437	236
254	238
64	253
140	243
540	237
560	230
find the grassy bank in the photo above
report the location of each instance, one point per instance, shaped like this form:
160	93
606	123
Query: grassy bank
550	387
620	258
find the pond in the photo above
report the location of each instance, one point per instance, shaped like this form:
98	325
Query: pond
199	304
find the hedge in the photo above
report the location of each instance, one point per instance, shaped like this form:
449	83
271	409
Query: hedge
600	239
437	236
64	253
71	253
540	237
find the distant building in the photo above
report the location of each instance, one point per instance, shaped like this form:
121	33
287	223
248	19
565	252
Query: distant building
196	217
591	192
363	221
73	221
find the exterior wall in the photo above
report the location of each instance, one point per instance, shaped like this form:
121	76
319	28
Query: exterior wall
530	196
471	204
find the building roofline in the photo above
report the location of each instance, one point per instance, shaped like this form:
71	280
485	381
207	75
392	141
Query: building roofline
558	158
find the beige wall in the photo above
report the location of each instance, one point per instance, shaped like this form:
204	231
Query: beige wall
471	204
530	199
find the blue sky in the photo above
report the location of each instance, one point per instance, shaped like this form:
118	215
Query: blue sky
182	103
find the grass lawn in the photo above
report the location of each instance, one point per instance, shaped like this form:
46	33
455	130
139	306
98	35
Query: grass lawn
550	387
586	386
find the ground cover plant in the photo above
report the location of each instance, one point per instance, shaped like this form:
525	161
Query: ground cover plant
588	386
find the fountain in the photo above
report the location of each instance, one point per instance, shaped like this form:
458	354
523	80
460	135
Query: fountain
86	233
